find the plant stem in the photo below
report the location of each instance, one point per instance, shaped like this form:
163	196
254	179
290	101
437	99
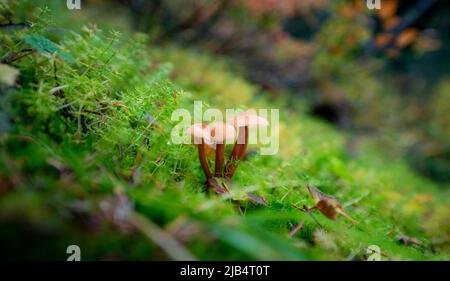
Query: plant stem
203	162
13	56
238	144
220	151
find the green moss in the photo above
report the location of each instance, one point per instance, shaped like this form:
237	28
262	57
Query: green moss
89	142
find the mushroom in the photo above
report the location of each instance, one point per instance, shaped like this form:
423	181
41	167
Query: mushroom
243	121
201	135
220	134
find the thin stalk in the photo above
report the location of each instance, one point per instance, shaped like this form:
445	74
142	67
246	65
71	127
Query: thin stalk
220	151
238	152
238	144
244	147
203	162
13	56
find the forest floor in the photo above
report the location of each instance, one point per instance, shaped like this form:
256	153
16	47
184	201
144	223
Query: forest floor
86	158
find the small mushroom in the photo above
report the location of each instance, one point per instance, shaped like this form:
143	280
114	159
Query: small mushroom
220	134
242	121
201	135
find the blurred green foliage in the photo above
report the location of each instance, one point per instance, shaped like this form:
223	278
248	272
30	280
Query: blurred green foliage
86	159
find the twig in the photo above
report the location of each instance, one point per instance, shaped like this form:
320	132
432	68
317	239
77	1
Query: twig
13	56
296	229
307	210
12	25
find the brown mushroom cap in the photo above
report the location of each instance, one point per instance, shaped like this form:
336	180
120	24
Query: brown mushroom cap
221	132
251	120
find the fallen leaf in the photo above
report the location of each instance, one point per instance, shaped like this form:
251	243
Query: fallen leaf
391	22
383	39
406	37
257	199
327	205
406	240
327	209
388	9
212	183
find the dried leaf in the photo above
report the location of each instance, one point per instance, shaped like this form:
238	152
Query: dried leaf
341	211
328	205
388	9
406	37
212	183
327	209
225	185
257	199
318	195
406	240
391	22
383	39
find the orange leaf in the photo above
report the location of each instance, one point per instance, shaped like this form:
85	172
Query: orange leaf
391	22
406	37
327	209
388	9
383	39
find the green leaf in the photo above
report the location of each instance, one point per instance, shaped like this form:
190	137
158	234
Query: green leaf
43	45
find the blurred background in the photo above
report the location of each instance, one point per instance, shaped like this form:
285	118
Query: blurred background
362	94
378	74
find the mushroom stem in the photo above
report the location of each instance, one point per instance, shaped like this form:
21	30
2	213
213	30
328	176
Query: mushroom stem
238	144
203	162
238	152
220	151
244	146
